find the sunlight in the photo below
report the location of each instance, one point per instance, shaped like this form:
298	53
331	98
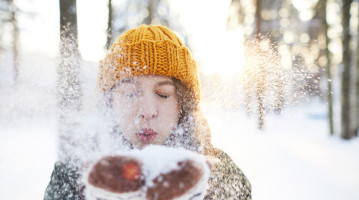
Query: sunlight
286	57
289	37
92	25
333	8
217	50
303	4
305	8
39	27
224	57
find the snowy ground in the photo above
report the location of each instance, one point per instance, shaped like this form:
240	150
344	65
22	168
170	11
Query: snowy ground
293	158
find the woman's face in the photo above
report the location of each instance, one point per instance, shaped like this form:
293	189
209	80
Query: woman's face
146	109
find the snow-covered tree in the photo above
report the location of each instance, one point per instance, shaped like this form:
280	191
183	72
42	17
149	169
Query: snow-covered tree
68	83
262	72
15	39
8	16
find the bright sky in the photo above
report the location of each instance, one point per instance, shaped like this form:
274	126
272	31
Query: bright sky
216	49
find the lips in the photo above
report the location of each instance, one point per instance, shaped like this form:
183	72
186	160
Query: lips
146	135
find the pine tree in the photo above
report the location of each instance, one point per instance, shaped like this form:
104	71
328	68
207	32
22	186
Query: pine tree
323	12
346	117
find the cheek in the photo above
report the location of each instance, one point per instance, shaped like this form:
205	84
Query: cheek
170	112
124	113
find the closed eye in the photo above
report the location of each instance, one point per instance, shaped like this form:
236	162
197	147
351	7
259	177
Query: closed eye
163	96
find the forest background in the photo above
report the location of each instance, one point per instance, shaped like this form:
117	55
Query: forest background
280	83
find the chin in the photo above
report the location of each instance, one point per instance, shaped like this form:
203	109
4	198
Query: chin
139	146
143	145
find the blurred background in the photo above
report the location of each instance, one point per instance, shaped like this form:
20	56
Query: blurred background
280	82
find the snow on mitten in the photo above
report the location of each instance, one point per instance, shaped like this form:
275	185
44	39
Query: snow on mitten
179	183
174	173
152	173
115	177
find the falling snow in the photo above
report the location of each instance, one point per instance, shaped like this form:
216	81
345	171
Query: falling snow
293	152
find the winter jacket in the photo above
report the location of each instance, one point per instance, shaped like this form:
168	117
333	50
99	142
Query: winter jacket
64	183
226	182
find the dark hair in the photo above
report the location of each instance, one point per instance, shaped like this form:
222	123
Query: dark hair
185	99
191	119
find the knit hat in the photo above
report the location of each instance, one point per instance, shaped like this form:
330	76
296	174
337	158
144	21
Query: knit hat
149	50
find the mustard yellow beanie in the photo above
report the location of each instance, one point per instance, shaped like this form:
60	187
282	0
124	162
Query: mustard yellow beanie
149	50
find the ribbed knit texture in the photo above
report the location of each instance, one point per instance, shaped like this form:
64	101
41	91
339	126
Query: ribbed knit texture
149	50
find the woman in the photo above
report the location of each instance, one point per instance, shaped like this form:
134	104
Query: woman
151	84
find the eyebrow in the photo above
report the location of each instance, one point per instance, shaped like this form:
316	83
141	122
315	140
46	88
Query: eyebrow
164	83
128	80
158	84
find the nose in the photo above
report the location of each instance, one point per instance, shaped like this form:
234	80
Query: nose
147	108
